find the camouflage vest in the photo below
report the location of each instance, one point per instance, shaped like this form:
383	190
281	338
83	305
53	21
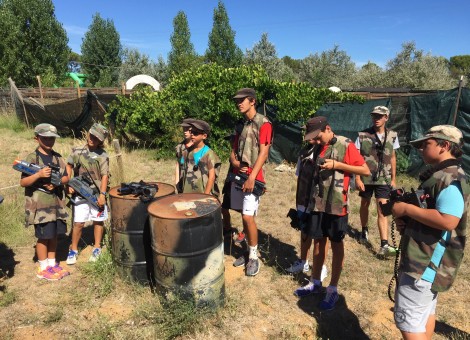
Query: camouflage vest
373	150
304	180
41	207
328	188
180	149
196	176
84	161
248	141
419	241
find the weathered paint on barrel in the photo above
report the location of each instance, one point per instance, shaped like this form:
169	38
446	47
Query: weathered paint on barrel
130	234
187	244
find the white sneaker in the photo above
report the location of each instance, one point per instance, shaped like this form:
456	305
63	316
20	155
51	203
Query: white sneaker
72	257
324	273
298	266
95	255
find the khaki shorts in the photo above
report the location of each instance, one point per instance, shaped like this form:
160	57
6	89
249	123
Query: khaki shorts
414	304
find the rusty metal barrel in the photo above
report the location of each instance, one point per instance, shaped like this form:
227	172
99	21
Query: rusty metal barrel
187	245
130	234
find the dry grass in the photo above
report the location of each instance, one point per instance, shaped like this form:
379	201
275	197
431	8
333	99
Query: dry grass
262	307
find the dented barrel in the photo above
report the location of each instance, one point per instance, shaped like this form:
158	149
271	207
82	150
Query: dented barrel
130	234
187	245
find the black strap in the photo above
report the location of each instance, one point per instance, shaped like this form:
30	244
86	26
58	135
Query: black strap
424	176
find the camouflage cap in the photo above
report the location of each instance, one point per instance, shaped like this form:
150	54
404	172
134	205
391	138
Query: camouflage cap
187	122
46	130
99	131
201	125
245	92
381	110
445	132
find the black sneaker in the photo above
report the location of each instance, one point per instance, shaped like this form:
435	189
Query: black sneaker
241	260
252	267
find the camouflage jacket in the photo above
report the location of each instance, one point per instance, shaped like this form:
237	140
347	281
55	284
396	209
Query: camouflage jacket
197	166
304	180
419	240
328	185
96	162
372	150
41	207
248	141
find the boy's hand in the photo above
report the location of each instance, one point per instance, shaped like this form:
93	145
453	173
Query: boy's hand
49	186
70	190
101	200
44	172
360	184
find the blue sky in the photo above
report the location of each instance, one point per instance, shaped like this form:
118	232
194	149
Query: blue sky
366	30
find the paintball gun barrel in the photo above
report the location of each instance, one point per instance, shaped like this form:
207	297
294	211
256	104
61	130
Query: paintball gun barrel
31	169
239	179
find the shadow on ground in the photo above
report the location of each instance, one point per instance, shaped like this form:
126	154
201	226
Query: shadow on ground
450	332
7	261
340	323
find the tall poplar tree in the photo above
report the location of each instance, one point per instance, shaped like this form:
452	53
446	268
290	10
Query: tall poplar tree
101	52
33	42
222	48
182	55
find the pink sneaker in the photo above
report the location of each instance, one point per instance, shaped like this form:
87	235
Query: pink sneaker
48	274
59	270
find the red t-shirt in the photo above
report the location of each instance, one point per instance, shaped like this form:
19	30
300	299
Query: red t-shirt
265	137
351	157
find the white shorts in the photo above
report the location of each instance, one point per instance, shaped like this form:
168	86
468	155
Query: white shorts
246	202
414	304
85	212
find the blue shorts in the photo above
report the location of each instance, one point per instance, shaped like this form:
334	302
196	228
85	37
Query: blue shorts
49	230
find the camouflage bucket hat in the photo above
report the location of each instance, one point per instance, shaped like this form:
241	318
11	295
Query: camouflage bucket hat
46	130
444	132
99	131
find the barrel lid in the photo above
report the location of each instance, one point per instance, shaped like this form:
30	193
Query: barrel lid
184	206
164	189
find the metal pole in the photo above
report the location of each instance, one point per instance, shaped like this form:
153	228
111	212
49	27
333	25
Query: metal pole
458	100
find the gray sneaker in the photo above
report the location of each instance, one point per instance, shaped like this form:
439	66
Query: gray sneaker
252	267
386	251
240	261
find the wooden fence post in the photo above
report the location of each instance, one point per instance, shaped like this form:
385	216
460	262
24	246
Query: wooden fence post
40	88
120	169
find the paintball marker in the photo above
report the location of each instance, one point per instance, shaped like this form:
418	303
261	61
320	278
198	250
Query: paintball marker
83	187
297	218
31	169
239	179
417	198
146	191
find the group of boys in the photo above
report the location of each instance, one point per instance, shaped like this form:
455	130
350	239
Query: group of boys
433	236
45	201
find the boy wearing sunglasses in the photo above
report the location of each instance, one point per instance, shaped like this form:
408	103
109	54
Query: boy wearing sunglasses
201	165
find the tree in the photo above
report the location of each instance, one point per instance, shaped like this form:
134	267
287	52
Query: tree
222	48
33	42
134	63
101	52
460	65
331	68
369	75
264	53
412	68
182	55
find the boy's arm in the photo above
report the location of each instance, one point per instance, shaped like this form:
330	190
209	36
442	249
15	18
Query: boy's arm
103	190
30	180
177	172
430	217
394	168
210	181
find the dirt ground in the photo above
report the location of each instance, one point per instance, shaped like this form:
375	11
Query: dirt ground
261	307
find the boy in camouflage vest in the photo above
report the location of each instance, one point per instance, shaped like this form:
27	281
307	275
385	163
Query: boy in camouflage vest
377	145
45	203
433	239
337	158
184	145
250	150
201	165
93	161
